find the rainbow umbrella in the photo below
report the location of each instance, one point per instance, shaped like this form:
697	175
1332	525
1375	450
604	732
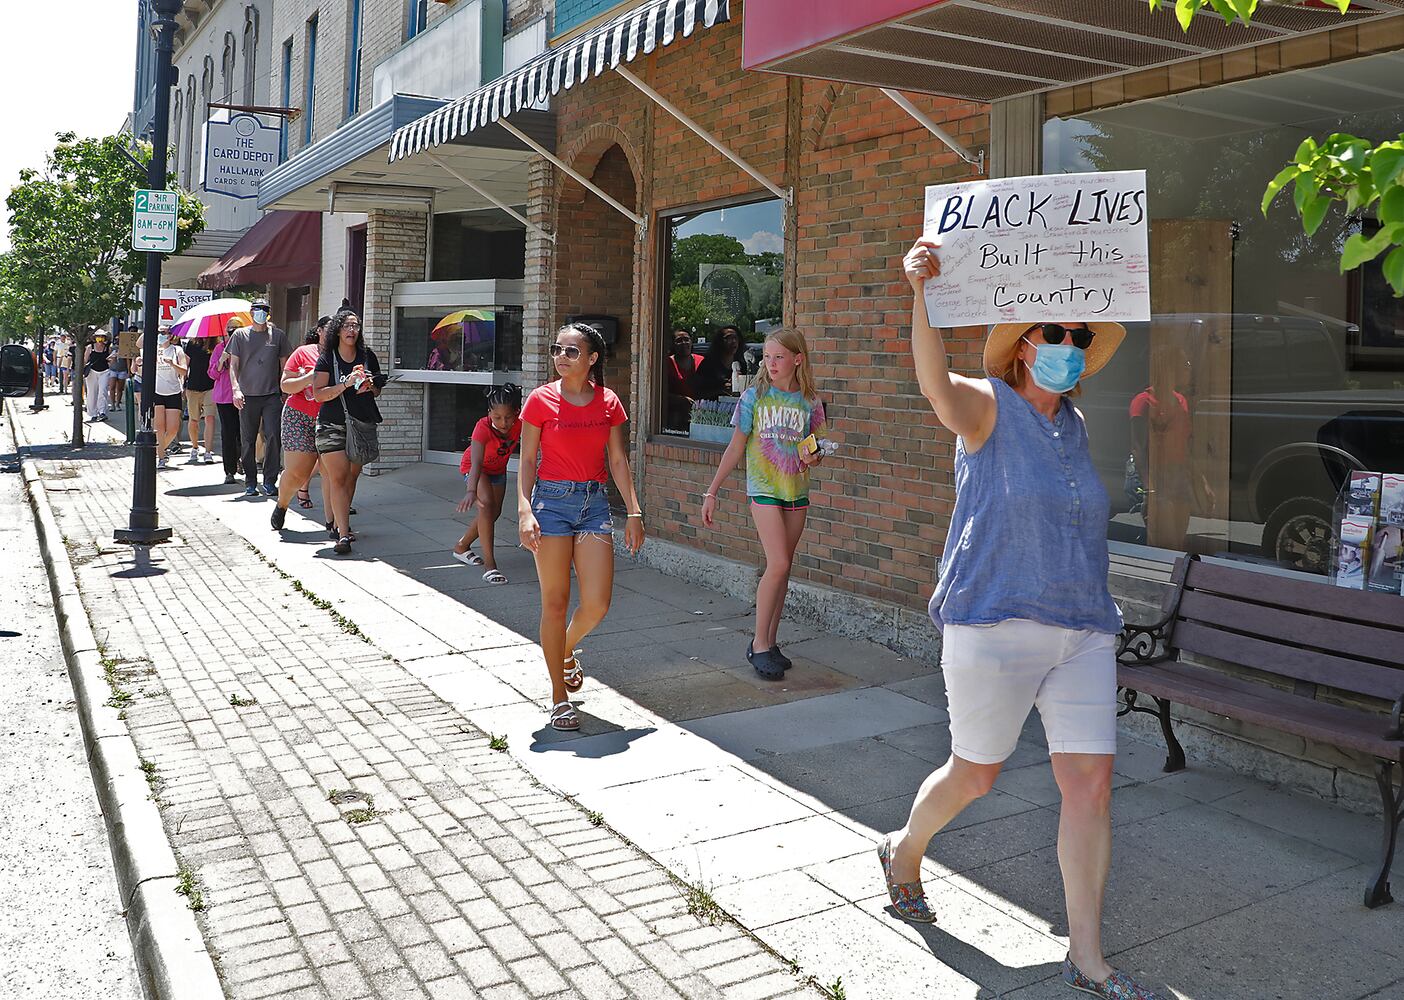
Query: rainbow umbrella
211	319
470	321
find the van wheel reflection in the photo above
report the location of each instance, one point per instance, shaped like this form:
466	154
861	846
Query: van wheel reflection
1298	535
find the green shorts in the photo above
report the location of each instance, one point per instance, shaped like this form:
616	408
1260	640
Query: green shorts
799	504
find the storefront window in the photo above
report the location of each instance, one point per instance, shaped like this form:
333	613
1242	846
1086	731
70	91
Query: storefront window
440	339
723	290
454	410
1229	423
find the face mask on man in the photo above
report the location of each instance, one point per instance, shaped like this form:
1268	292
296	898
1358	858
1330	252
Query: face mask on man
1057	367
260	316
163	340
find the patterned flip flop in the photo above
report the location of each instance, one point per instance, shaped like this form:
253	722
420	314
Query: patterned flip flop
1117	986
908	898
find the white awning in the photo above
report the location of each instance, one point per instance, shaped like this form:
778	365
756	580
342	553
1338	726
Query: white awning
636	33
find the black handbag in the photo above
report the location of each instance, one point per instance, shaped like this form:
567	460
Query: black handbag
362	436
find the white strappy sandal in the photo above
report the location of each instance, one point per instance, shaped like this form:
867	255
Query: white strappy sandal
574	674
563	717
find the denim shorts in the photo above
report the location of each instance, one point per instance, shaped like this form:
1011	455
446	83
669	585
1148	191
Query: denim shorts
563	508
500	479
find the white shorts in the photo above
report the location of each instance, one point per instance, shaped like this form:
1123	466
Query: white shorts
996	673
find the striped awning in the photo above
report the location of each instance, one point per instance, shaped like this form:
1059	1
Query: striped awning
639	32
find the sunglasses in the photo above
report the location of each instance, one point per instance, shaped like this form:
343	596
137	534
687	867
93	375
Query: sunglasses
1053	333
572	352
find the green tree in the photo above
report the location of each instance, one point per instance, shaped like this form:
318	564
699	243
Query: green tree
70	233
1359	174
691	252
17	316
696	310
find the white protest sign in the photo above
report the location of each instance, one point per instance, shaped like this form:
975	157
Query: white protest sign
237	155
1049	247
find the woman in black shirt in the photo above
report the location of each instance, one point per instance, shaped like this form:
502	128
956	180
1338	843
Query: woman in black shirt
347	379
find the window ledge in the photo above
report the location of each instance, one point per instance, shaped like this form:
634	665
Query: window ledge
683	449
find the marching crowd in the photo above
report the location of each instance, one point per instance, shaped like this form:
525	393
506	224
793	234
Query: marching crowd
1021	597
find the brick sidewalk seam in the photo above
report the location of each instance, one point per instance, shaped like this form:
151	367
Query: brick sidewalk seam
465	878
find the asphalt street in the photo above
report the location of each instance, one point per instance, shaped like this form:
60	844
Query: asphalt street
61	933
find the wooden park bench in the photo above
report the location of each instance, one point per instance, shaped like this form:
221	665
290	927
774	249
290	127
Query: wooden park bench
1299	636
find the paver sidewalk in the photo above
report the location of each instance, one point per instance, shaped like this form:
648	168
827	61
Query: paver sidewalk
353	836
772	795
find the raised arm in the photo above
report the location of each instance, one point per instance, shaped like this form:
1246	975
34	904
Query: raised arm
966	406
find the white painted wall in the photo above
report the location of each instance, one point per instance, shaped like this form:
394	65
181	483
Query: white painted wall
334	228
208	40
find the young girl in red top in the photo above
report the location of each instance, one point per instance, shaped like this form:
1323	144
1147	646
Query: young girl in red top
574	429
484	469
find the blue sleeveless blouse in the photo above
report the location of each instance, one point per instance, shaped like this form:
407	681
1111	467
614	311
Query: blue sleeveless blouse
1028	537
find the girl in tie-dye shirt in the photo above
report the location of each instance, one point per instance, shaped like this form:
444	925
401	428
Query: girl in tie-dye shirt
778	411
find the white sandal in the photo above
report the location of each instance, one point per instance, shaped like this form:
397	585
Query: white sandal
563	717
468	558
494	576
574	674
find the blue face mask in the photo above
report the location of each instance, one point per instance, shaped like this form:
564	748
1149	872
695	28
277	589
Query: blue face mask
260	316
1057	367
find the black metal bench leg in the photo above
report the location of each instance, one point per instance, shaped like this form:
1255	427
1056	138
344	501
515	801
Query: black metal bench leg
1175	756
1377	893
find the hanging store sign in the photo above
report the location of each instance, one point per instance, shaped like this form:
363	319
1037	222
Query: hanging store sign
237	155
1050	247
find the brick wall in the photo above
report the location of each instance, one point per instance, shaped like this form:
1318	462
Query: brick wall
1383	35
573	13
598	243
859	165
539	310
396	243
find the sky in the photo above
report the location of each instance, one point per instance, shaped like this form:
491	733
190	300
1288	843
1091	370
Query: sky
63	67
759	226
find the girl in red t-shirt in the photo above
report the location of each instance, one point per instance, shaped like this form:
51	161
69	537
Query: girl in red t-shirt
574	428
484	469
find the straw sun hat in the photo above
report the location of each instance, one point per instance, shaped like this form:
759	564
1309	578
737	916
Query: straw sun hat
1004	339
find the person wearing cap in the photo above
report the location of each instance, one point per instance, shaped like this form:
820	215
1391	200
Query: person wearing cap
257	354
1022	600
97	360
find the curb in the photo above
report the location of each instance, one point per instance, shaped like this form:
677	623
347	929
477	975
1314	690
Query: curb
169	950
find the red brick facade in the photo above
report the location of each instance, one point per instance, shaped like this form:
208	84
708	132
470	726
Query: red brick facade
858	165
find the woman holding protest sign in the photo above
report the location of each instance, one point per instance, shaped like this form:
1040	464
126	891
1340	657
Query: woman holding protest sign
1022	601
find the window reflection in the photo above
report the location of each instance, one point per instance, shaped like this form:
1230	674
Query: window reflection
444	339
1228	424
724	293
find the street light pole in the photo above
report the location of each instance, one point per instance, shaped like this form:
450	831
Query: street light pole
143	523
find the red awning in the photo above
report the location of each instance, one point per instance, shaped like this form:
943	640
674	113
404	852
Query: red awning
985	50
282	248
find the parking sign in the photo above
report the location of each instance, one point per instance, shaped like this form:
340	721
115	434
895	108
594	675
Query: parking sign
154	215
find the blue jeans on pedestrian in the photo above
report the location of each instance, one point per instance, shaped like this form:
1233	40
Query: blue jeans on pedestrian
564	508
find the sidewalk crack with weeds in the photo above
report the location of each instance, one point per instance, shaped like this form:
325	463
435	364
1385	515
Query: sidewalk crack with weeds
345	624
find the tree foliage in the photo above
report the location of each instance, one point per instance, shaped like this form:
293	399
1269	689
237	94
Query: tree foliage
1360	175
71	260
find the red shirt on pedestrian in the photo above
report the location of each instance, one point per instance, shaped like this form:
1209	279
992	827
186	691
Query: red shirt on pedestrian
496	449
302	362
574	439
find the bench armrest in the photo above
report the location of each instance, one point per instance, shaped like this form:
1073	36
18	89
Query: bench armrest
1145	643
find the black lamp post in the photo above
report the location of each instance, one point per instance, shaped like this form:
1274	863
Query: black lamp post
143	523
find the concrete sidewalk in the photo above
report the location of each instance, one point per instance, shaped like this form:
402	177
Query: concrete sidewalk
768	796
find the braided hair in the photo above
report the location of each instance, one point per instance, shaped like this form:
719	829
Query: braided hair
507	394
